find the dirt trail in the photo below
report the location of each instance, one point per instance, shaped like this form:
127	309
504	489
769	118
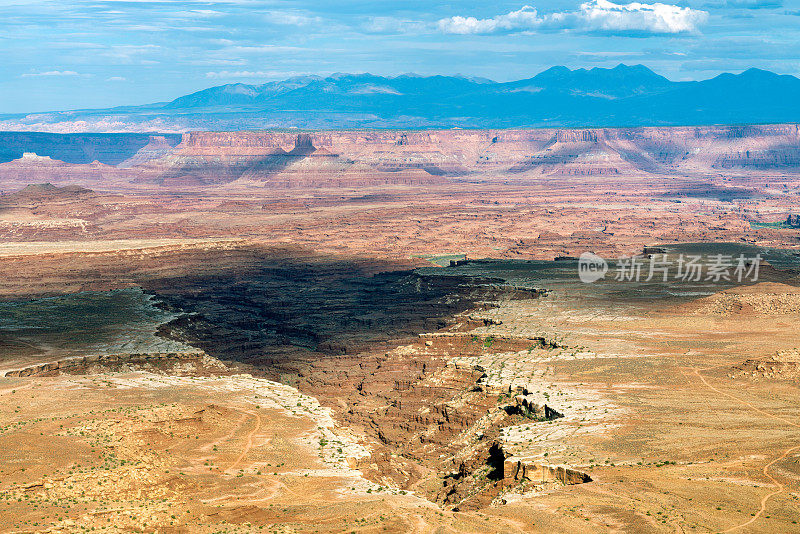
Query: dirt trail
249	441
765	470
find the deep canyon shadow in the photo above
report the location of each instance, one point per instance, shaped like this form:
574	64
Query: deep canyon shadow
285	308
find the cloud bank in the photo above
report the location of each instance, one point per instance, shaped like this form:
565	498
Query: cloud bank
595	16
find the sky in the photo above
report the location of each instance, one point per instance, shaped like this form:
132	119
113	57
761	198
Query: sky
59	55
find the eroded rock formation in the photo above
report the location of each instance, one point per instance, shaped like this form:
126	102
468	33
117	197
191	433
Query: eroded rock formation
267	156
349	158
80	364
110	149
518	470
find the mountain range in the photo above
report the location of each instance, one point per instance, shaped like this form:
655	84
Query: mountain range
622	96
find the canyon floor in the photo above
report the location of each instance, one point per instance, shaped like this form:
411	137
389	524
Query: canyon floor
682	415
179	355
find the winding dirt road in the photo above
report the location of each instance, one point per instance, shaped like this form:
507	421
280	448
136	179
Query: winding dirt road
765	470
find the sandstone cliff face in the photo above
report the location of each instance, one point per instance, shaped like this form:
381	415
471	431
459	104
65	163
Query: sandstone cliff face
284	159
158	147
707	147
272	160
354	158
110	149
518	470
33	168
79	364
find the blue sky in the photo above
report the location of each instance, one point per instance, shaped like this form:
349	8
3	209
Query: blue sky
100	53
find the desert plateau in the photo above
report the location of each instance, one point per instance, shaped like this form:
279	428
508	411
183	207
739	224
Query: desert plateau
303	267
381	330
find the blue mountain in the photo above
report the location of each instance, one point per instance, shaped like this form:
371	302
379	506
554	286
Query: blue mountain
559	96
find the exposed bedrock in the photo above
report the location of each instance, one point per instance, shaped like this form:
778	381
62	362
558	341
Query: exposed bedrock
434	426
349	158
327	158
158	147
110	149
520	470
271	160
79	364
778	157
34	168
333	332
373	343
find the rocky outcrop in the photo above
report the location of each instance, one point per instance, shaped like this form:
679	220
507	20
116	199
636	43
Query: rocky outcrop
578	136
516	470
558	152
783	365
348	158
77	364
528	406
43	193
324	329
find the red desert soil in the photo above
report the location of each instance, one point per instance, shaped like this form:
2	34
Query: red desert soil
466	410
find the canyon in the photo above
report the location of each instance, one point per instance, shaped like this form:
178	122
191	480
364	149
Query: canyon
284	159
402	194
368	330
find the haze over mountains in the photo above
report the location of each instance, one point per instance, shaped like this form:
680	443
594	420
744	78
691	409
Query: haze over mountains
558	97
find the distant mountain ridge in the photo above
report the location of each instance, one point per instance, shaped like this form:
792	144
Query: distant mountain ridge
622	96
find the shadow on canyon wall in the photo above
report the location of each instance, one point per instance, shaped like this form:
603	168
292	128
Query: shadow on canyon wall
288	307
247	303
110	149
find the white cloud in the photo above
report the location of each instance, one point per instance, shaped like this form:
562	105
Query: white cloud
394	25
594	15
116	79
201	13
521	20
50	73
655	18
147	28
751	4
291	18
